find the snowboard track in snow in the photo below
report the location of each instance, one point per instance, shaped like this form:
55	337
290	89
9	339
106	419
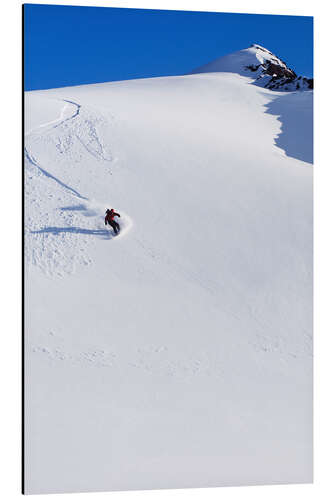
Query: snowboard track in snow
35	163
78	107
62	140
92	142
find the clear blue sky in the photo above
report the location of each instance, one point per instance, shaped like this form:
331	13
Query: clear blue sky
76	45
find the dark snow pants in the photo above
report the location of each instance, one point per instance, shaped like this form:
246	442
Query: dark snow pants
115	226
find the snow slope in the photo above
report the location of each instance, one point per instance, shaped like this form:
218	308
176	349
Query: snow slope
265	68
178	354
239	62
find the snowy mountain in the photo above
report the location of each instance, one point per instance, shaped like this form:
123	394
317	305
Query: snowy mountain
265	68
179	353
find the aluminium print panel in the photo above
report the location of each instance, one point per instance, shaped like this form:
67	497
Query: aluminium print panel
168	249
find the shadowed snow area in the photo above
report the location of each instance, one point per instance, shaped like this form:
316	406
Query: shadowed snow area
178	353
295	112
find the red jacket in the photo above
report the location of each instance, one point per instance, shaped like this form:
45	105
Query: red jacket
110	216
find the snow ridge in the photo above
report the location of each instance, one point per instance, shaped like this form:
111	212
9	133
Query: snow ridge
265	68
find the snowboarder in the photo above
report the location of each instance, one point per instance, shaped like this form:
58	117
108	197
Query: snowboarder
109	219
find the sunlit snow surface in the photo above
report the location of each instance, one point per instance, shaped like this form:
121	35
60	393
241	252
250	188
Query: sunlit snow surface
178	353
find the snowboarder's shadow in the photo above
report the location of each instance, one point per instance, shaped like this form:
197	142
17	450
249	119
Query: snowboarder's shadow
103	233
88	212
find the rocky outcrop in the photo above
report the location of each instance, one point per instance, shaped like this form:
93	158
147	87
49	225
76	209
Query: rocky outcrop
274	74
262	66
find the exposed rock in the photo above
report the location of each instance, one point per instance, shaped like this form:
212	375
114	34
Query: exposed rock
281	77
265	68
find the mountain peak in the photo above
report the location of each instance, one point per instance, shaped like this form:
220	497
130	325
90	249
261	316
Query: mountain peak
260	47
265	68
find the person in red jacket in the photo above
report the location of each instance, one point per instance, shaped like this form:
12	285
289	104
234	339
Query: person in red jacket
109	219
